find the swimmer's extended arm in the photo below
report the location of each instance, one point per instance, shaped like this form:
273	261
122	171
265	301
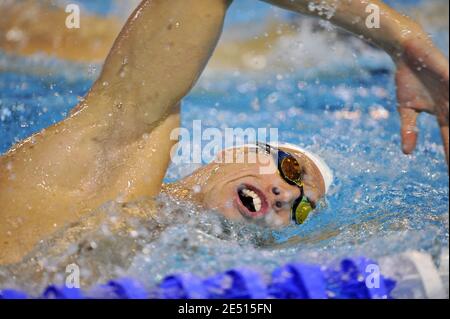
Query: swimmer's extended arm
422	71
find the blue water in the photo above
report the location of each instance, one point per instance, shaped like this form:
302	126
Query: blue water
381	203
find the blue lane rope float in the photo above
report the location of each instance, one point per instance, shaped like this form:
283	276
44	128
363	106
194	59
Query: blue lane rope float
182	286
12	294
353	278
298	281
239	283
122	288
54	292
360	279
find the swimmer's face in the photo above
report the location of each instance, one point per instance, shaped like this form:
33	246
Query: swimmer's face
243	185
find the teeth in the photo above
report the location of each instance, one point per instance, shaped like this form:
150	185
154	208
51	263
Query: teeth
257	203
256	199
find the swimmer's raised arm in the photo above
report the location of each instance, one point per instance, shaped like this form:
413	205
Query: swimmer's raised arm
422	70
116	143
155	61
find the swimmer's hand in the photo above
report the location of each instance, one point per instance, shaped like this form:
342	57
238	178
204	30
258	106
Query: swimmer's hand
422	86
422	71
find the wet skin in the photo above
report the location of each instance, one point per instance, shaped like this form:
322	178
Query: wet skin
115	145
105	149
218	186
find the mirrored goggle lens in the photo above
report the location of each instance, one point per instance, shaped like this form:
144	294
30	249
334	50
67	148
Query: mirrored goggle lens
302	211
291	169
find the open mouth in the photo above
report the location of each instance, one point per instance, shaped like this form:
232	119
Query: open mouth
251	201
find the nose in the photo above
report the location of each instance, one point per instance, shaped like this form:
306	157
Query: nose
283	195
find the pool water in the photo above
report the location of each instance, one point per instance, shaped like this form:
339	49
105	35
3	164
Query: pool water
325	91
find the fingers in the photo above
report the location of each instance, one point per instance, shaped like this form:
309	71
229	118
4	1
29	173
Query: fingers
409	131
412	99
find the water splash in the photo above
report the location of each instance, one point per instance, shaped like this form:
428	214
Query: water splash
342	107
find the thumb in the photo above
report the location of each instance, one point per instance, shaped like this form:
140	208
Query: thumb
408	131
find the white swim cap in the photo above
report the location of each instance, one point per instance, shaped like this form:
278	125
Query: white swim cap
325	170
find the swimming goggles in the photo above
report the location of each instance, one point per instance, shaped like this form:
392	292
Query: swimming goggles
290	170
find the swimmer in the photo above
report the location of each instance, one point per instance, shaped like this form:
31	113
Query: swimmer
115	145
